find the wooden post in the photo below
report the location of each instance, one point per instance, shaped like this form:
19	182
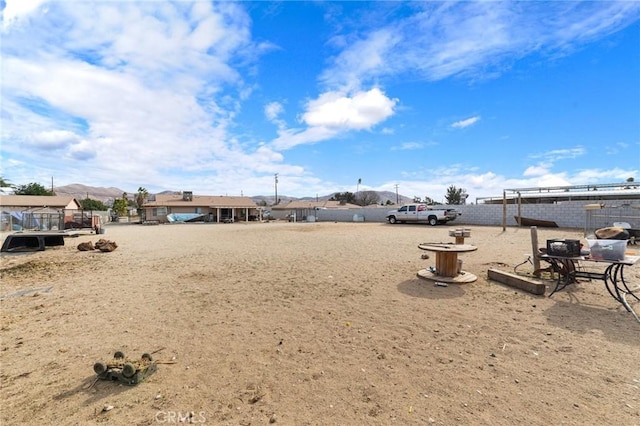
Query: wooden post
534	248
520	207
504	210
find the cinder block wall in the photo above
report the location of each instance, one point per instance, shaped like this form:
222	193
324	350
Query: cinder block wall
569	214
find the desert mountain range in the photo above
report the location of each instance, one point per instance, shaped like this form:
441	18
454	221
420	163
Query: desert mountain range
107	195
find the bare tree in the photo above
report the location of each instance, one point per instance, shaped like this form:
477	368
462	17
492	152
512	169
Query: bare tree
366	198
344	197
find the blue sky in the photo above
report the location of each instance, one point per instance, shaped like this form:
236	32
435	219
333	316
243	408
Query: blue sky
219	97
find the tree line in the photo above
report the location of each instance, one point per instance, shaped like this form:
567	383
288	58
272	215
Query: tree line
454	196
367	198
120	205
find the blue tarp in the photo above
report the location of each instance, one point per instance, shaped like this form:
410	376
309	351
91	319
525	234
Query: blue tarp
184	217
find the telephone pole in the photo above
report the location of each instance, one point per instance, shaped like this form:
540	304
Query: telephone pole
276	184
397	198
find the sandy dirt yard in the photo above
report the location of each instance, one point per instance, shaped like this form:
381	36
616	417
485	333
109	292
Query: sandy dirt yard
308	324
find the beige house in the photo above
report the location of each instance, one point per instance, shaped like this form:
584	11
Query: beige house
206	208
304	210
41	212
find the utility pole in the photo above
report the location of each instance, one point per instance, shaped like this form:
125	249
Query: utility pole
276	183
397	198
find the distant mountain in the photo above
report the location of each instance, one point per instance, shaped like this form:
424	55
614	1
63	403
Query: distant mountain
107	195
384	197
80	192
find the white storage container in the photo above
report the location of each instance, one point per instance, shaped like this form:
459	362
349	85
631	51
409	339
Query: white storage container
607	249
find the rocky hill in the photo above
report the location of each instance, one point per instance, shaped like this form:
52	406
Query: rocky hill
80	192
107	195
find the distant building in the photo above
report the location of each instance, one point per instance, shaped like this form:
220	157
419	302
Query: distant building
38	212
206	208
301	210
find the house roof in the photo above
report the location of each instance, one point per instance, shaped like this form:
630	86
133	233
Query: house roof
39	201
214	201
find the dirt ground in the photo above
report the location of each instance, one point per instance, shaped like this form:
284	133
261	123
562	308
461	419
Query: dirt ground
308	324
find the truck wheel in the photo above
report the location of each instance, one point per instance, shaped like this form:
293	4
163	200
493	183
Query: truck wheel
433	221
128	370
99	367
392	220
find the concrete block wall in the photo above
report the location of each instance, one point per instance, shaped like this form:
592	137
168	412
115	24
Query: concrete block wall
569	214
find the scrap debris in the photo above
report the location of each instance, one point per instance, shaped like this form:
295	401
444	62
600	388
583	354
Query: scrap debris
102	245
125	370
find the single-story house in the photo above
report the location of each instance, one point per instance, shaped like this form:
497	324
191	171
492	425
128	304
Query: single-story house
305	210
164	208
43	212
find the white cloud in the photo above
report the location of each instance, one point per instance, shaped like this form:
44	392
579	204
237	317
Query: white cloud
362	110
129	87
408	146
465	123
561	154
53	139
551	179
542	173
368	56
335	113
267	156
15	10
288	138
273	110
613	175
539	170
471	39
616	148
82	151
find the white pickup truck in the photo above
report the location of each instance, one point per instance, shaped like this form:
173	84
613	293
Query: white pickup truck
422	213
